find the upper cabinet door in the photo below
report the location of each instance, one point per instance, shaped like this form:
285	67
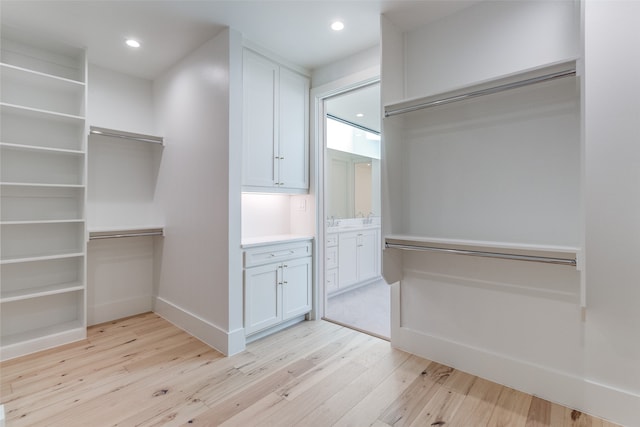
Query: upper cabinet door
260	80
275	127
294	130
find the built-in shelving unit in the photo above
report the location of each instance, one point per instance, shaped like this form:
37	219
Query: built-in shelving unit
493	167
489	169
125	224
42	184
123	168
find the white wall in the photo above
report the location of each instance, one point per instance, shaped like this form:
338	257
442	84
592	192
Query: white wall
516	323
612	137
199	279
265	214
504	26
348	66
120	101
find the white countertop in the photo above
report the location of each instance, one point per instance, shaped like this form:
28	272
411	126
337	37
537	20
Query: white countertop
248	242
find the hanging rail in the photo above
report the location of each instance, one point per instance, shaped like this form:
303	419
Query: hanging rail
531	258
389	111
116	235
94	130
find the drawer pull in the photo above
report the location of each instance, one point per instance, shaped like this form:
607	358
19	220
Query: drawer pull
273	254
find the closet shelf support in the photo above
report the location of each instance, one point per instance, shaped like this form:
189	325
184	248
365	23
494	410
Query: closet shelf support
392	111
516	257
94	130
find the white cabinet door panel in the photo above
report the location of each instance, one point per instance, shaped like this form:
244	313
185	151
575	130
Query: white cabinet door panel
367	255
293	152
262	297
296	288
260	80
347	259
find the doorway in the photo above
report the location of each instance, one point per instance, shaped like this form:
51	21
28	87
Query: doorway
355	294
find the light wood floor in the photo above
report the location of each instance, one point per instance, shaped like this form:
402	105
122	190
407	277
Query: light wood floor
142	371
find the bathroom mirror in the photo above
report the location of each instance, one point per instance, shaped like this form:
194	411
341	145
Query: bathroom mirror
352	160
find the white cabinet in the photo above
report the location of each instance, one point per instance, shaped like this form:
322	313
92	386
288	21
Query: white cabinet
275	127
331	263
42	179
277	284
358	259
347	259
367	259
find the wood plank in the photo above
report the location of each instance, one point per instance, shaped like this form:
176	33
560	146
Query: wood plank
334	408
511	409
478	405
539	413
440	408
143	371
406	408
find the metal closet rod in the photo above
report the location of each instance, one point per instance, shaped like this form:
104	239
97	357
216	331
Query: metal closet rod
117	236
481	92
126	135
548	260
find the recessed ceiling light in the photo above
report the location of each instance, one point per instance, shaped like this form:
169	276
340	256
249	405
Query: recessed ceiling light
132	43
337	26
359	115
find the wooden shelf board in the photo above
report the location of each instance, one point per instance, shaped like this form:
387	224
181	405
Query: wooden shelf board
40	184
46	221
37	148
43	257
38	77
524	248
39	113
43	291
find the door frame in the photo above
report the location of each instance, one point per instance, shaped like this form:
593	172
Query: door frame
318	96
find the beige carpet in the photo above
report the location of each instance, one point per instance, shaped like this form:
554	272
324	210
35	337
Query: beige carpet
366	308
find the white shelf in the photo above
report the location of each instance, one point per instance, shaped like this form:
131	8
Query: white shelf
503	248
125	231
42	257
488	87
37	78
47	221
107	133
41	184
74	326
485	244
39	113
42	291
22	48
41	91
37	148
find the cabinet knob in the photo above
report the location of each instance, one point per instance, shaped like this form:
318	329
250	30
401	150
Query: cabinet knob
285	282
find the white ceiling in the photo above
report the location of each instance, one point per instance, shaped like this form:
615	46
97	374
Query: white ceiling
297	30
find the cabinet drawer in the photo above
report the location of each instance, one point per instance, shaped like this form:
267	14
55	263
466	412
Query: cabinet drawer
331	280
275	253
332	257
332	240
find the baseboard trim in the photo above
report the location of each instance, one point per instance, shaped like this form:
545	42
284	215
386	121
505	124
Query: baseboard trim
227	343
118	309
591	397
42	343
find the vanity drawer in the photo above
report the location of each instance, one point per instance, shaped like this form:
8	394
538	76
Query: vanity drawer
332	240
278	252
332	257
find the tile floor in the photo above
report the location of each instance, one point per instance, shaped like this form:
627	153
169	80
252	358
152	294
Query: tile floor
366	308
